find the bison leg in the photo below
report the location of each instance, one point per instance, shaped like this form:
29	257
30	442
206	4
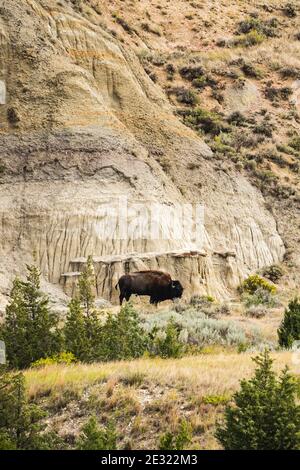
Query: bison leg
153	301
124	295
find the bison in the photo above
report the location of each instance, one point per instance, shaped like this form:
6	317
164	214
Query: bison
157	284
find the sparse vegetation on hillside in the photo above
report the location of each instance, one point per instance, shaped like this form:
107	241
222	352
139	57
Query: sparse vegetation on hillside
146	398
198	329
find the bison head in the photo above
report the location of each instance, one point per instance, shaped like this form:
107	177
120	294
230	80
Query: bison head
176	289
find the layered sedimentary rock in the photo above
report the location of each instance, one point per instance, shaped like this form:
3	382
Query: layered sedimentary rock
200	273
81	125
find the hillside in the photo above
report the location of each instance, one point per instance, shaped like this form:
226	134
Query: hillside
144	398
106	99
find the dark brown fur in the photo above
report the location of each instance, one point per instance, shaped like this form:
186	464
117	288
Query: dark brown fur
156	284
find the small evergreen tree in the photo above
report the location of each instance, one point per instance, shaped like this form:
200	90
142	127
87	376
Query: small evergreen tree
30	329
86	285
95	438
122	336
179	440
289	330
20	422
92	325
82	327
265	415
76	340
168	344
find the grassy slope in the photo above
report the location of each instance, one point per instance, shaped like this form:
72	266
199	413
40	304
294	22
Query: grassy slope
145	397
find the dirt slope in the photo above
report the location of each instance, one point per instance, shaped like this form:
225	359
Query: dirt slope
85	120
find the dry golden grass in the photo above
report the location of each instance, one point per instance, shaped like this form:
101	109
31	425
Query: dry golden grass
204	374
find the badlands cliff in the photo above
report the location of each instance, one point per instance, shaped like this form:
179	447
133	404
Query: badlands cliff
83	124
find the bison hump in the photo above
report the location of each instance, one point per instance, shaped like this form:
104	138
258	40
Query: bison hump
154	273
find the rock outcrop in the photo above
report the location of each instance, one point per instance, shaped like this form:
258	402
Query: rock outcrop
82	124
201	274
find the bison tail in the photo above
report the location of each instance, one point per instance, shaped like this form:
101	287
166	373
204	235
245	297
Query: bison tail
117	285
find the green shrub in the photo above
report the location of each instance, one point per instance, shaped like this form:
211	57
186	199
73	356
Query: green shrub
179	440
166	343
289	330
274	273
191	72
123	23
251	71
30	329
287	149
82	327
86	287
215	400
171	70
222	144
295	143
248	25
197	330
208	121
66	358
252	38
273	93
200	82
237	118
267	28
264	415
256	311
150	29
290	72
290	10
109	337
13	116
265	127
201	300
2	168
255	282
133	379
260	296
184	95
93	437
266	177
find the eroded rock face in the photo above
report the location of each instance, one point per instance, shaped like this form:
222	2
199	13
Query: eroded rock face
201	274
81	123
